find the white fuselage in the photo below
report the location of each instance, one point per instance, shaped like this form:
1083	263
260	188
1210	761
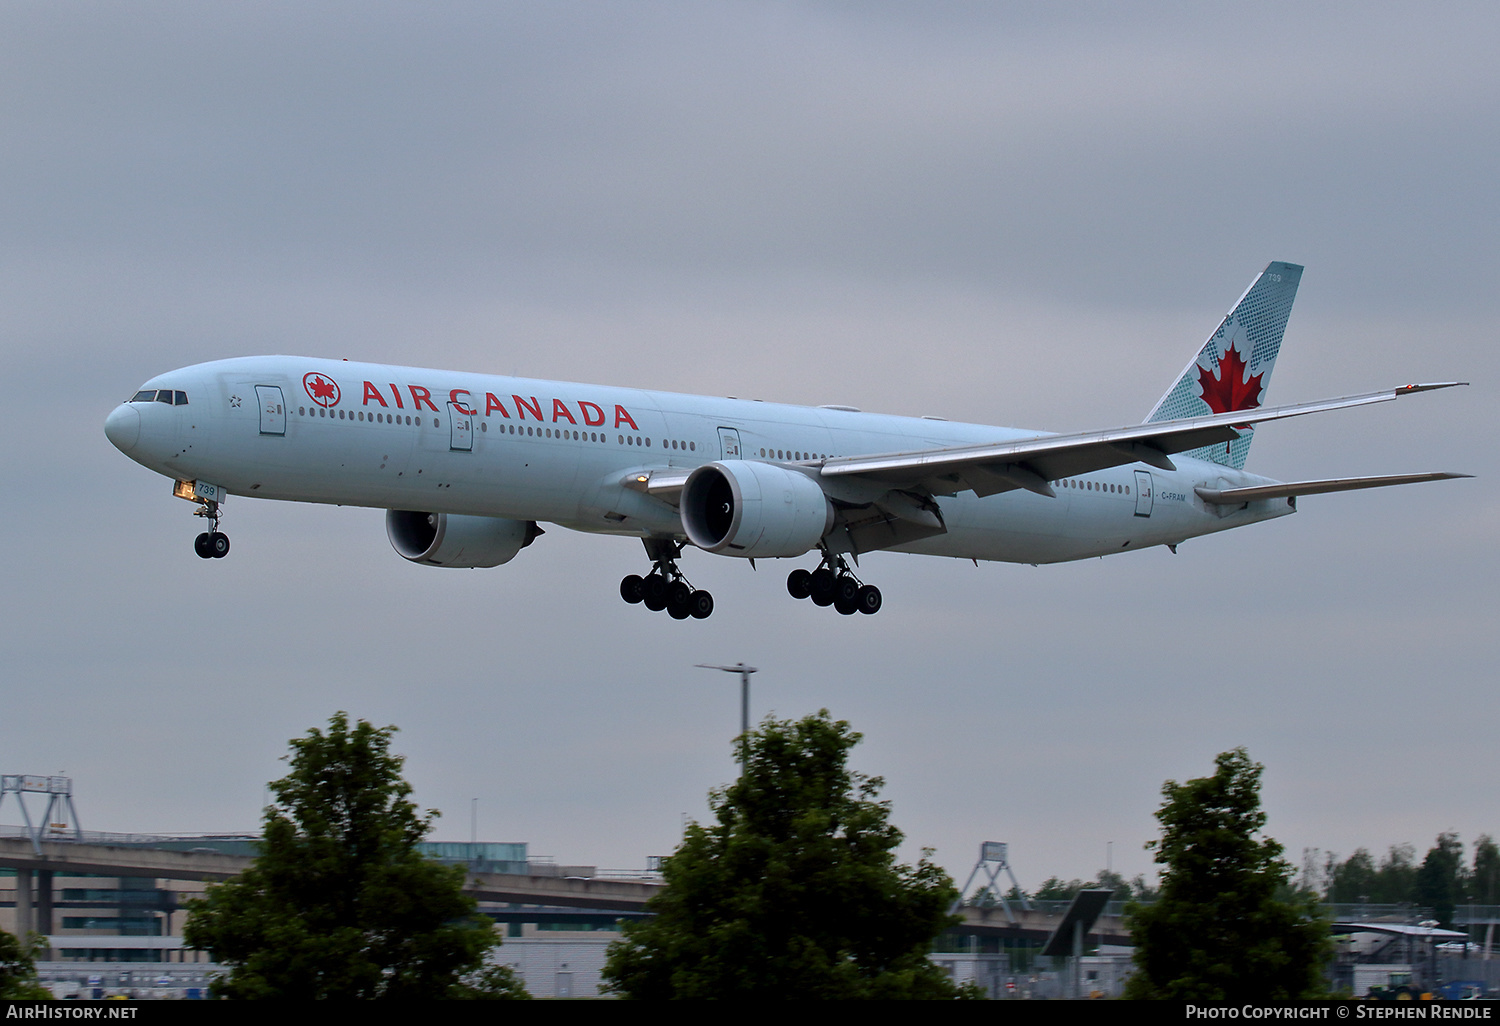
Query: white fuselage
356	434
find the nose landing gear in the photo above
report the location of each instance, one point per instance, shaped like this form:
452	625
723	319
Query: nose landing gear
213	543
834	584
665	587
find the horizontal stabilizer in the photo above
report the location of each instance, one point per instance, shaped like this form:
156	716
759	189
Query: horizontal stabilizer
1288	489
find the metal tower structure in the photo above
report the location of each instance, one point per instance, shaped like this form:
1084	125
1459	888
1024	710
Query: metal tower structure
993	860
58	819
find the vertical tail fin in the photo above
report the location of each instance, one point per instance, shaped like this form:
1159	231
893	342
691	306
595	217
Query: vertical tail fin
1233	368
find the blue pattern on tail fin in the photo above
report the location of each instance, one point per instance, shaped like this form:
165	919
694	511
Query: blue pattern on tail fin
1246	342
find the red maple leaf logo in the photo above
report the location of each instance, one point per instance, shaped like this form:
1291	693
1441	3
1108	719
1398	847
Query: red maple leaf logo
1230	392
323	391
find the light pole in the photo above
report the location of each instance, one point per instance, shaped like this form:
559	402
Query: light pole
744	672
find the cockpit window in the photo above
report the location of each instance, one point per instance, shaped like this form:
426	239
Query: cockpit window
172	397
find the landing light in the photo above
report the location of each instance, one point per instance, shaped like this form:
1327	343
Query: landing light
197	491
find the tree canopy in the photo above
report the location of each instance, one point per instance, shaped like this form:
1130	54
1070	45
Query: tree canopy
340	903
1055	888
18	980
1438	885
793	891
1218	931
1440	879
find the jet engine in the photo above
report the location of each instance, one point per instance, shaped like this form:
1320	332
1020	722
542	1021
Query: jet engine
752	509
447	539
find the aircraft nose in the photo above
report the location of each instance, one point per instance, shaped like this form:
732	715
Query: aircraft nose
123	427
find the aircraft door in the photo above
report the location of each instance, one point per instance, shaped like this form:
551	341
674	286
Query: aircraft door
1143	496
461	434
729	443
272	410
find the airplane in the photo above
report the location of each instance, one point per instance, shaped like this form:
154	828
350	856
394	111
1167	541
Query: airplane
467	466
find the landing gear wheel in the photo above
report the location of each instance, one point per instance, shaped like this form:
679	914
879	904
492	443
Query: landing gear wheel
218	544
845	592
833	584
665	587
702	605
202	547
655	593
680	601
632	589
823	583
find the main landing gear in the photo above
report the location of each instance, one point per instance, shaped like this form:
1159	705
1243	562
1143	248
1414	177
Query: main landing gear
834	584
665	587
211	544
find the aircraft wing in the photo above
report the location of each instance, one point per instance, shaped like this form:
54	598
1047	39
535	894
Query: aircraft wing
1031	463
898	508
1288	489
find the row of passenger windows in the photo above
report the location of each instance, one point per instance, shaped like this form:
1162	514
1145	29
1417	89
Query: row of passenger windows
577	436
159	395
383	418
1095	486
484	427
666	443
792	454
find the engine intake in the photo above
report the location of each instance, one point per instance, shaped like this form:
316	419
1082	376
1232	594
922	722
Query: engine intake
448	539
752	509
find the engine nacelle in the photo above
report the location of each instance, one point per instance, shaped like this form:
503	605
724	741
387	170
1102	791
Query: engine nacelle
751	509
447	539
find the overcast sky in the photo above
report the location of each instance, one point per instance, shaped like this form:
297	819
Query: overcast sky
1021	214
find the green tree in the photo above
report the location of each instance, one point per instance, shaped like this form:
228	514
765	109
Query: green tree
1218	932
794	891
1396	880
1484	881
1440	880
18	980
1055	888
1352	880
490	983
340	904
